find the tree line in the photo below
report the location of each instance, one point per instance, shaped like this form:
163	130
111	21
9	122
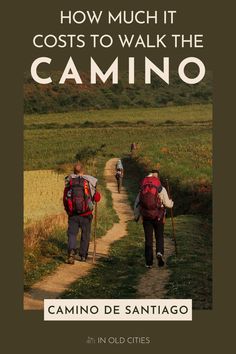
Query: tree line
69	97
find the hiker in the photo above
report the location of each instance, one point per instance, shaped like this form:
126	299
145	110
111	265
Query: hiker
79	197
119	174
119	165
133	147
150	205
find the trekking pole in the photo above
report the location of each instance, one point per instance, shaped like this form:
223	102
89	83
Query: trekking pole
95	233
172	218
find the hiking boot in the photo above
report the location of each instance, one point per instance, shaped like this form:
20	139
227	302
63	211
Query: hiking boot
148	266
82	259
71	257
160	260
77	256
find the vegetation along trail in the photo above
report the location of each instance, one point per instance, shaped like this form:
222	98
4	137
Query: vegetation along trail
54	285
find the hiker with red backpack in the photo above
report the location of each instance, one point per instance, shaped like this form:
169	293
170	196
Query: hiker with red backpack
150	205
79	197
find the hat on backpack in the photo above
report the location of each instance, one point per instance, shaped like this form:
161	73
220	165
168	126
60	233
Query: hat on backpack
155	171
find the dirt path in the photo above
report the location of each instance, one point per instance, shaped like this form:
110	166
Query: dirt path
54	285
152	283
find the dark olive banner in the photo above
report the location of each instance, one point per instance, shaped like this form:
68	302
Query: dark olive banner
84	85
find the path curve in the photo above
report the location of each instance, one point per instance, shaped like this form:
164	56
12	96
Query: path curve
52	286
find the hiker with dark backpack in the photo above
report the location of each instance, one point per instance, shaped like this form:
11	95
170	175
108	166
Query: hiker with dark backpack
150	205
79	197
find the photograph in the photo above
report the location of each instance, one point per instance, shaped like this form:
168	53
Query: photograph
118	190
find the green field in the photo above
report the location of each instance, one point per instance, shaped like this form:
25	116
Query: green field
177	140
187	114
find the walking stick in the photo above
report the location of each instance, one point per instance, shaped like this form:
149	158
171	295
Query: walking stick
172	218
95	232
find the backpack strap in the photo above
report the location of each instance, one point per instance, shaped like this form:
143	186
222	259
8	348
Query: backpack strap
160	189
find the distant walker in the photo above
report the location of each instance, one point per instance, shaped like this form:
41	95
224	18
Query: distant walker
119	174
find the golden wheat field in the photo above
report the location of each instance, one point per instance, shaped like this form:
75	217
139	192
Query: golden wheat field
43	190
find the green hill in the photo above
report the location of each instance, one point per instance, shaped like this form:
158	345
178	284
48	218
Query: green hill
71	97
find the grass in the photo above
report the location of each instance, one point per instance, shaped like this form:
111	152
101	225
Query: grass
192	113
191	270
181	150
188	155
42	194
42	260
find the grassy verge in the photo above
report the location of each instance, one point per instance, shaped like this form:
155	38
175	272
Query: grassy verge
44	259
191	271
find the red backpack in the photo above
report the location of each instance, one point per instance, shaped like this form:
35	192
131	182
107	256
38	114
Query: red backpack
149	200
77	197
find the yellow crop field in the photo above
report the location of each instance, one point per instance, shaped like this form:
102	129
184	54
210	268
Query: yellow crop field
43	191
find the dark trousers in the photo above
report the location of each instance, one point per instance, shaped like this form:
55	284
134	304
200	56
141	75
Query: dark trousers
75	223
158	227
119	183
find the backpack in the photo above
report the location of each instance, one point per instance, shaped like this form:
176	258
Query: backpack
119	165
78	198
149	200
118	174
